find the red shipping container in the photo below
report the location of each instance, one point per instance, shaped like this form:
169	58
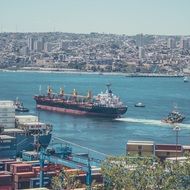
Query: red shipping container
8	164
20	168
8	187
18	177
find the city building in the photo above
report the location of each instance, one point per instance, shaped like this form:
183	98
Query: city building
31	43
140	40
141	53
38	46
184	43
171	43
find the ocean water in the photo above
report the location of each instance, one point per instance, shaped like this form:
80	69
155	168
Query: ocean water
160	95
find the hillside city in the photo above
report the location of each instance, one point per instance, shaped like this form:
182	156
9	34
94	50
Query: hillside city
96	52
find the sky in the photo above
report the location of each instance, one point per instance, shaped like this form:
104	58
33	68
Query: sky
130	17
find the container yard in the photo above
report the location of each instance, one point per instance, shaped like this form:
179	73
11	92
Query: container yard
28	159
16	174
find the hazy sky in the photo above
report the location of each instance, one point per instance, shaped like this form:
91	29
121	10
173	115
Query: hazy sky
85	16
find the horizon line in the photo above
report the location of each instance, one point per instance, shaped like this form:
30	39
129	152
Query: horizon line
120	34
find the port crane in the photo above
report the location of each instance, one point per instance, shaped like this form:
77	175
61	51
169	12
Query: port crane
62	154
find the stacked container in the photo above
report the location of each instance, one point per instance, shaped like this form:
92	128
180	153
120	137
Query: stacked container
22	119
7	114
5	180
22	174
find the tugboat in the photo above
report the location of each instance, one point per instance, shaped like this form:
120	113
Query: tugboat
103	105
19	107
174	117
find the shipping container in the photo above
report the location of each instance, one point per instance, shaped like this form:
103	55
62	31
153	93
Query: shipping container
35	182
5	180
7	120
7	187
8	164
22	185
6	103
8	125
18	177
7	109
7	114
20	168
26	118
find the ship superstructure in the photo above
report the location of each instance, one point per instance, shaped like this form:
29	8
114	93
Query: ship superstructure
18	133
104	104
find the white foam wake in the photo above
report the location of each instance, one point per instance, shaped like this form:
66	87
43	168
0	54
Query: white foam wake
150	122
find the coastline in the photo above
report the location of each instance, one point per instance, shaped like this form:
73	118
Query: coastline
75	71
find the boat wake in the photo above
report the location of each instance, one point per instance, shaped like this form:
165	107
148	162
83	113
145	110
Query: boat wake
151	122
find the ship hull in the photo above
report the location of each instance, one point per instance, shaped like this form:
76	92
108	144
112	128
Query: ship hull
27	143
23	142
80	109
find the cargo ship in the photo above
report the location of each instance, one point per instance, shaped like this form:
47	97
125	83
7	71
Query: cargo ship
23	132
104	104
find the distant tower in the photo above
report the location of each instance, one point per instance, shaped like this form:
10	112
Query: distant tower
171	43
184	43
141	53
31	43
140	40
42	42
38	46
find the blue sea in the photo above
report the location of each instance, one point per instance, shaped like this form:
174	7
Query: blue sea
160	95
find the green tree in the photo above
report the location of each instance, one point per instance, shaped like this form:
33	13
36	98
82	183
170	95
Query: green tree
65	181
124	173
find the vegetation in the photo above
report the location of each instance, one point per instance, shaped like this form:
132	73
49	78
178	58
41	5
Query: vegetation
137	173
124	173
65	181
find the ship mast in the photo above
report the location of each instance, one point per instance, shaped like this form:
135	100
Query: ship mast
108	88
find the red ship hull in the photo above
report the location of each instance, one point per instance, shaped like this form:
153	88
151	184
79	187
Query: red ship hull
71	111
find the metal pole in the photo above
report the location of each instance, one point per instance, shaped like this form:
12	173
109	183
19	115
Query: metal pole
176	145
176	129
89	176
41	169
